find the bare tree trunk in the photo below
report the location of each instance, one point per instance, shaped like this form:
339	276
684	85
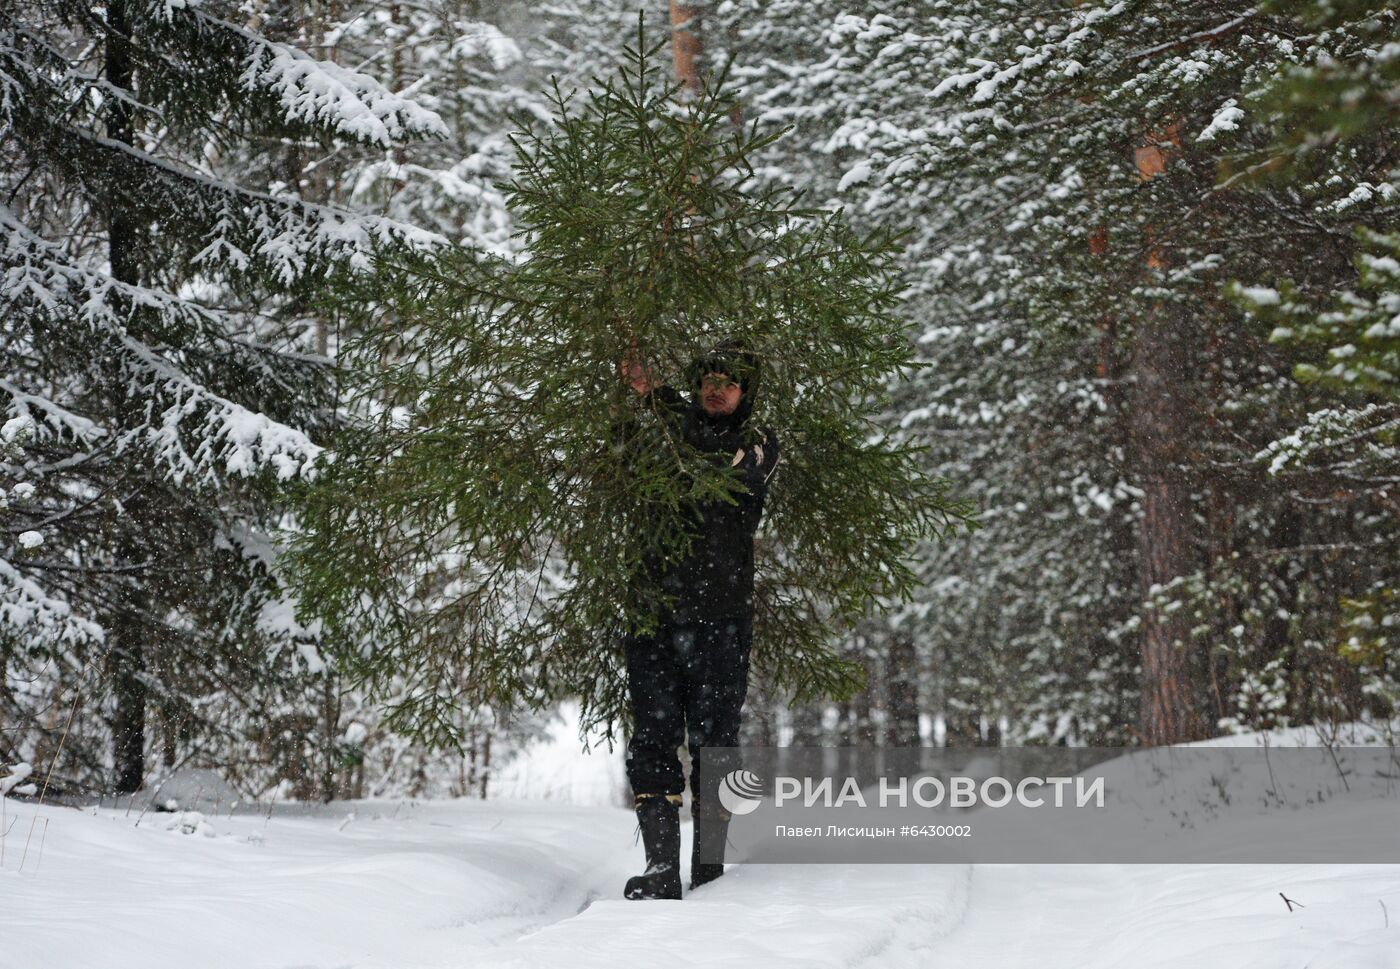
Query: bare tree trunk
485	765
1163	362
331	762
1169	709
460	787
686	44
127	665
756	720
473	752
962	719
127	658
688	51
169	740
902	726
862	710
767	737
961	728
845	723
807	725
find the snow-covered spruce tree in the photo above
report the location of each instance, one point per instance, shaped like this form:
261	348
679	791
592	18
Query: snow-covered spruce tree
465	62
1335	120
160	379
485	523
1014	621
481	69
1072	155
769	48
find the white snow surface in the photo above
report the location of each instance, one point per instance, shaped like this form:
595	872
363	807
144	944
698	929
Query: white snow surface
537	883
556	768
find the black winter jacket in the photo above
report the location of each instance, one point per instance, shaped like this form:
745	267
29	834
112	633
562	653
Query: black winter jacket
715	579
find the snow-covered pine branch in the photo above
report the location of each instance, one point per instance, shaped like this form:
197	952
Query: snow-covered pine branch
28	610
194	433
312	91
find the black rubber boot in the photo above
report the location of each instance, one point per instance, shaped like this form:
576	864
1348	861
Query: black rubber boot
707	847
660	820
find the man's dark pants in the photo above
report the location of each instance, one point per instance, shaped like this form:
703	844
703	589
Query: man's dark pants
691	675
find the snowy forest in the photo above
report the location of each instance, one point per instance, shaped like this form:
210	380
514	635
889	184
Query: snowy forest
1147	266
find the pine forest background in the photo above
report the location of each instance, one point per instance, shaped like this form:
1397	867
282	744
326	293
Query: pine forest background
1151	254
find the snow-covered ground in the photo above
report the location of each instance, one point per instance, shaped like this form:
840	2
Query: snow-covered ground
557	768
537	883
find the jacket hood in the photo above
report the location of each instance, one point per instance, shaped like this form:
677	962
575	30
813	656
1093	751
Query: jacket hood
733	358
729	357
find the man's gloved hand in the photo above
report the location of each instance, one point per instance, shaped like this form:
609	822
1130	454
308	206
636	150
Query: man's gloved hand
756	462
753	451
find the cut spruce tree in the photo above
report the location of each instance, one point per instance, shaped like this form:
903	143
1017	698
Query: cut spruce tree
160	379
483	520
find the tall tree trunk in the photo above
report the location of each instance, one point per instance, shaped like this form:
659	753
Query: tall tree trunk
1164	361
862	713
865	766
127	664
902	726
688	51
756	726
127	658
1169	711
962	725
1287	533
169	740
962	719
1288	582
331	753
485	778
686	44
1121	538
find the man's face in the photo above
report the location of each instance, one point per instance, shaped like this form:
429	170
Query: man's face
719	394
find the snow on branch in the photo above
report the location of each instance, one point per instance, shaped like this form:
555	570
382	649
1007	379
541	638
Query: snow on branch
10	91
39	413
482	38
1080	31
190	429
287	234
224	432
1212	33
242	441
27	609
39	274
306	90
1226	119
321	92
290	236
1330	429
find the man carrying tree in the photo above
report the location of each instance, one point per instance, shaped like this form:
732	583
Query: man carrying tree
638	211
691	674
